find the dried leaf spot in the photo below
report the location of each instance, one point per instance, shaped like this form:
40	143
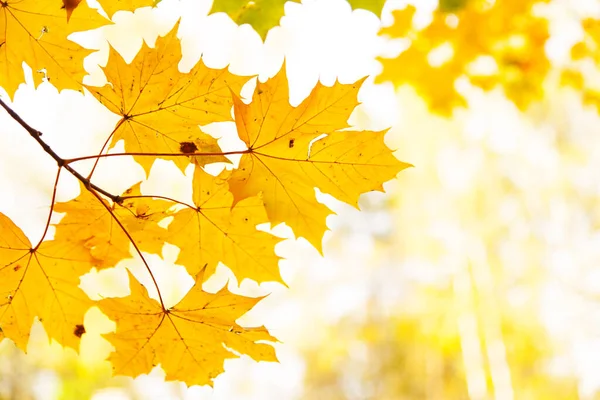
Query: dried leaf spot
188	147
16	267
291	144
79	330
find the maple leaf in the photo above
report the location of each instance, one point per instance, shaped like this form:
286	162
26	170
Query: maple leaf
35	32
216	231
263	15
506	33
161	107
41	282
112	6
190	340
285	166
94	224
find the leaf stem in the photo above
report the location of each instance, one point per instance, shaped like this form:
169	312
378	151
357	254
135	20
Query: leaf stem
51	209
151	196
224	153
137	249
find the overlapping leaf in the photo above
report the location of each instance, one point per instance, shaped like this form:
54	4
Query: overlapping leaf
35	32
161	107
190	341
94	224
285	165
217	231
292	152
42	283
508	35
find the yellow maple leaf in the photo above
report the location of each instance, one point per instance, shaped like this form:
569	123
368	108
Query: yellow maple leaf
161	107
506	33
112	6
35	32
190	340
41	282
216	231
285	166
90	222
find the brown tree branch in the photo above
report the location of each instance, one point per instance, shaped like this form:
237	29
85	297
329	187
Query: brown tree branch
37	135
93	189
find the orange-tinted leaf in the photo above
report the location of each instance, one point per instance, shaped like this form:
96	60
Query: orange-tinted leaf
70	5
283	166
161	107
216	231
35	32
41	283
190	340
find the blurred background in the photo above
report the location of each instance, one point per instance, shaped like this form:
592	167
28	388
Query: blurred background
475	276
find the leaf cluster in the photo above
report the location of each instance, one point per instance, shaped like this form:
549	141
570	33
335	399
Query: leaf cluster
289	153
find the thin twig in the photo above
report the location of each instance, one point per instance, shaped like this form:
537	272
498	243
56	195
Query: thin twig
37	135
137	249
103	147
51	209
93	189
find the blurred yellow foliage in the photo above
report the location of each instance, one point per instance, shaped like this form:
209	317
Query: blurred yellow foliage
499	44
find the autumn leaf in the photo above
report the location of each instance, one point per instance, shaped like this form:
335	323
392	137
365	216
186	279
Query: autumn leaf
41	282
161	107
218	232
94	223
112	6
190	341
263	15
35	32
507	34
285	166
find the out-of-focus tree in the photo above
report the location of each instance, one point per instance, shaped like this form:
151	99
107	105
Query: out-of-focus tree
490	43
420	356
491	255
